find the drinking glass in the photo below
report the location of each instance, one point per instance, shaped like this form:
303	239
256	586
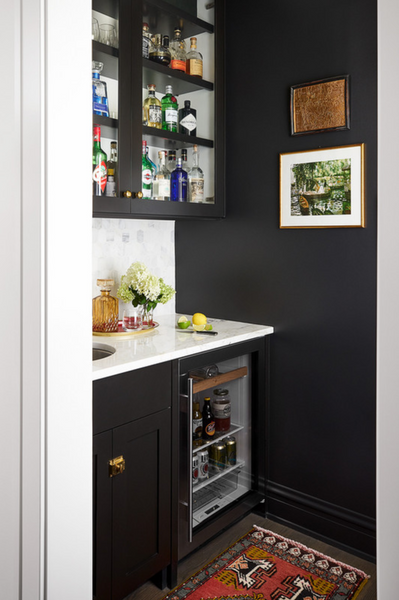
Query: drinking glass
108	35
132	319
95	30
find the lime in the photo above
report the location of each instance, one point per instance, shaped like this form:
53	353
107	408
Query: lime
208	327
199	327
199	319
183	322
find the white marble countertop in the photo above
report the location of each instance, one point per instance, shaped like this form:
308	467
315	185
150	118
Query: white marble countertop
166	342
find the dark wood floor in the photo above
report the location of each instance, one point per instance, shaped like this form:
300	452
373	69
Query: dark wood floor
200	558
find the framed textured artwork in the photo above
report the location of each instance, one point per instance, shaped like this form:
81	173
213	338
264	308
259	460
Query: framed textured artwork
322	188
320	106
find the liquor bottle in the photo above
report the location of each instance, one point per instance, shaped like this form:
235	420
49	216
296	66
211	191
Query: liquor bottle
208	421
152	109
188	119
169	110
147	43
159	51
153	168
196	179
100	95
105	308
194	62
184	160
111	189
162	179
178	52
178	184
146	173
171	161
197	423
99	164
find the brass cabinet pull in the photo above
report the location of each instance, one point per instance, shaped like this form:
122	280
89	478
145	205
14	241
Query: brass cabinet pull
116	466
127	194
139	194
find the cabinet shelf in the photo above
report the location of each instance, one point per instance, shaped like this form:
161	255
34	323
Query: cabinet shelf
108	125
164	17
167	139
205	384
161	76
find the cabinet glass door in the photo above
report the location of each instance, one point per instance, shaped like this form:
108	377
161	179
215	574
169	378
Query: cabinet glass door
130	74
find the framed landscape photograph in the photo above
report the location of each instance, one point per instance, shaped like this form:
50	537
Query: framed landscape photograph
322	188
320	106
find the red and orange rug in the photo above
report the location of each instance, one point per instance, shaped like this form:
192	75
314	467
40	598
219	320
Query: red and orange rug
265	566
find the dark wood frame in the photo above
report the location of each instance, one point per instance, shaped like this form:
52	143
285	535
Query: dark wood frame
322	86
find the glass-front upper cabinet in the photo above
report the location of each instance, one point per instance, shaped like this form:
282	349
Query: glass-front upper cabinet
158	99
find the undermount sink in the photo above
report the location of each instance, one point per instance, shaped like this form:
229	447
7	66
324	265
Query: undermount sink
102	351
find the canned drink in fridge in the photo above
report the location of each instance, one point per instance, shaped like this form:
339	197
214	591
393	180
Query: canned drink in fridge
231	450
203	465
217	456
195	469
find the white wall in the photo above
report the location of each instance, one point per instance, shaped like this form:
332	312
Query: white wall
388	301
45	501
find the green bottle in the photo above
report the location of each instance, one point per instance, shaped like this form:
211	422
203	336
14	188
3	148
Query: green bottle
169	110
99	164
146	173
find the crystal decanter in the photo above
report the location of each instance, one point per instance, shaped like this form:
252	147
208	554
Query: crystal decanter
105	308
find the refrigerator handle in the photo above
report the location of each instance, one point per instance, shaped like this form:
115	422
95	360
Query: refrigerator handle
190	455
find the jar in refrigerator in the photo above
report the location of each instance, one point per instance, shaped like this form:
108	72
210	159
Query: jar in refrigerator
231	450
221	408
217	456
203	465
195	469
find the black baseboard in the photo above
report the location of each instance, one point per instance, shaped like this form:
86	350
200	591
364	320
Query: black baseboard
338	526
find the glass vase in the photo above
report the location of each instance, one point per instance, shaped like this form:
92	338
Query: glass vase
147	317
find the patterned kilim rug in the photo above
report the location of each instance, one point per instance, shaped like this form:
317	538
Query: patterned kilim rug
265	566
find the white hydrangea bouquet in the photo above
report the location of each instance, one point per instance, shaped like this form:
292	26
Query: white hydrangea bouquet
142	288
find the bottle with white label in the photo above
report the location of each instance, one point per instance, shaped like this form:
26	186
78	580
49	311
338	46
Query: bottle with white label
194	62
161	189
188	119
196	179
169	110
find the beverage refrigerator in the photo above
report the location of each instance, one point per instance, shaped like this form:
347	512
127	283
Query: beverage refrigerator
224	477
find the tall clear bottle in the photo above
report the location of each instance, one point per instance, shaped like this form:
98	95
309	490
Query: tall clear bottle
111	189
99	164
162	179
169	110
146	173
100	94
171	164
178	184
194	62
178	52
147	43
196	179
152	109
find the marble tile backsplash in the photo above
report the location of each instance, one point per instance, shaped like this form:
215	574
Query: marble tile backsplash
117	243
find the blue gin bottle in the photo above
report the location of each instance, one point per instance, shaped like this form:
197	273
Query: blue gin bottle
178	183
100	95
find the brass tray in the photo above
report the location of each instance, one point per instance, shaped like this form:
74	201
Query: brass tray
122	333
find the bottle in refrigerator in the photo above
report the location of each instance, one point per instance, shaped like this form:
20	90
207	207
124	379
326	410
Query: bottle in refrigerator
152	109
161	186
100	95
188	119
99	164
146	173
208	421
169	110
194	62
197	424
196	180
178	184
111	189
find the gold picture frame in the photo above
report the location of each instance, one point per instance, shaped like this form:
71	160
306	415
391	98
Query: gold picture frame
320	106
322	188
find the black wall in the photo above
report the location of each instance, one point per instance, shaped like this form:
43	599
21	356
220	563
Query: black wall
316	287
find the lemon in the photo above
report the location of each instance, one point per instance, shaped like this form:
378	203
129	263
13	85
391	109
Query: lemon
199	319
208	327
199	327
183	322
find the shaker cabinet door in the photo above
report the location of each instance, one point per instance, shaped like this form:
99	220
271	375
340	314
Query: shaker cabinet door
141	502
